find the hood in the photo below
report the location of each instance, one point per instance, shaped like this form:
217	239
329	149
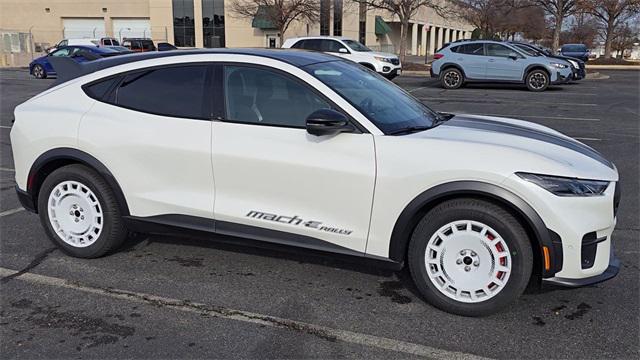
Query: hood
383	54
525	136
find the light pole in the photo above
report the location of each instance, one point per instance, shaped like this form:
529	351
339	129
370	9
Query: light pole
120	33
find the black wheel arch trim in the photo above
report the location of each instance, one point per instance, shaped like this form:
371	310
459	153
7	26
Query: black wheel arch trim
532	67
445	66
65	155
414	211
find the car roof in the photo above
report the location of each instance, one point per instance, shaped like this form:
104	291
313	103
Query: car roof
292	56
320	37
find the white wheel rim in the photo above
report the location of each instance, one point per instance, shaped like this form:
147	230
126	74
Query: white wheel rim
75	214
468	261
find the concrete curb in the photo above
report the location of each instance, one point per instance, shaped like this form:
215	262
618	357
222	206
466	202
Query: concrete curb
415	73
613	67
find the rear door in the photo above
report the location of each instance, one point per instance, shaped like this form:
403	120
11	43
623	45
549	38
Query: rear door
500	66
152	130
275	181
471	58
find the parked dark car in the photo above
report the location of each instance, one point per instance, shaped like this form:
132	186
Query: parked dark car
41	67
577	65
164	46
578	51
139	44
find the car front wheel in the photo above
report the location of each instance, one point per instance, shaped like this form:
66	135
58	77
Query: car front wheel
452	78
39	72
80	213
538	80
470	257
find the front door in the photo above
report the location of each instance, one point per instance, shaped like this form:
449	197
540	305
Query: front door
500	66
272	41
274	181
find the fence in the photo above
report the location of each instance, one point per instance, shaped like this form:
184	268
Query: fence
20	46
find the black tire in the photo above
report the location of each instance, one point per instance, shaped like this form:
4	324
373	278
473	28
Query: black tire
451	78
113	231
496	217
537	80
39	72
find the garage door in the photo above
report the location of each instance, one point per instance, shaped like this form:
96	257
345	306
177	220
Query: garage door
83	28
131	28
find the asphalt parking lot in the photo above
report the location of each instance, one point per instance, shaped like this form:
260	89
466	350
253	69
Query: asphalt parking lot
177	297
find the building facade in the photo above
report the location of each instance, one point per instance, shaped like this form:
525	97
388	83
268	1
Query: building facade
211	23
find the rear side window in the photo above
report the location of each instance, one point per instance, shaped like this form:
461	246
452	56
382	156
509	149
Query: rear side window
299	45
313	44
471	49
172	91
99	90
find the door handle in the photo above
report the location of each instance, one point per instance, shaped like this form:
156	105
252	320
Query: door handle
492	60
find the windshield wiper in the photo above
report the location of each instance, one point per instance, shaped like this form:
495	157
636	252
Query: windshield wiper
409	130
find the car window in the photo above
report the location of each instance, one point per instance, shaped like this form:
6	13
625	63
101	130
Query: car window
63	43
471	49
299	45
356	46
260	96
331	46
313	44
527	50
61	52
98	90
498	50
171	91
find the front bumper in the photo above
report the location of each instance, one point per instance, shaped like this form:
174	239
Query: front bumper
562	78
579	74
609	273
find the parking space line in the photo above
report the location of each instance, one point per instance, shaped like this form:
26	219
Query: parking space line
11	211
540	117
499	101
323	332
7	169
5	127
587	138
418	88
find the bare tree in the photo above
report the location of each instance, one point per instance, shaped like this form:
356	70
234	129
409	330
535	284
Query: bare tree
279	13
558	10
405	10
611	16
486	15
583	30
623	39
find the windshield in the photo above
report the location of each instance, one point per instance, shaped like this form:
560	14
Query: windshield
386	105
527	50
356	46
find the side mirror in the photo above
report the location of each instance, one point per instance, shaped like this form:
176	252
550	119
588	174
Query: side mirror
327	122
513	56
343	50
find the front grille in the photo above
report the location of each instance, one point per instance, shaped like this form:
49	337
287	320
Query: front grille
616	198
395	61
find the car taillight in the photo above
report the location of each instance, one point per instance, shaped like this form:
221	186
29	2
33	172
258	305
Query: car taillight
437	56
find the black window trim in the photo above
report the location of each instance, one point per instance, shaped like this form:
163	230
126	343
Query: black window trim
482	44
207	108
220	92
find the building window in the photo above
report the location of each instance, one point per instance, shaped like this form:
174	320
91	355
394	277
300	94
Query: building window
213	23
362	27
325	17
337	17
183	25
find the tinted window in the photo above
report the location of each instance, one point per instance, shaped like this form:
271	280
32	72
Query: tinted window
173	91
471	49
61	52
260	96
313	44
498	50
99	89
299	45
331	46
388	106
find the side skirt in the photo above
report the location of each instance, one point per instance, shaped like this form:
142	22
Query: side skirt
253	236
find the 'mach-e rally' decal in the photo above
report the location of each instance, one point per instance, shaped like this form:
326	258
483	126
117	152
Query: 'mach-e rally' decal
296	221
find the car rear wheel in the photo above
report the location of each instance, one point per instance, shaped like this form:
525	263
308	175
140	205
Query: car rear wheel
470	257
80	212
39	72
538	80
452	78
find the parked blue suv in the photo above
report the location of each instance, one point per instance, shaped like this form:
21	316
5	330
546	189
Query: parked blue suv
494	61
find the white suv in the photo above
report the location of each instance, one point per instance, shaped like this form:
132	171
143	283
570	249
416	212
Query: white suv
383	63
305	149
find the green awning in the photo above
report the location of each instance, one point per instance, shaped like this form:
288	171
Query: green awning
382	28
261	19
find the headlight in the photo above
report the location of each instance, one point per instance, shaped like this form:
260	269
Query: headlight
574	63
559	66
562	186
383	59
